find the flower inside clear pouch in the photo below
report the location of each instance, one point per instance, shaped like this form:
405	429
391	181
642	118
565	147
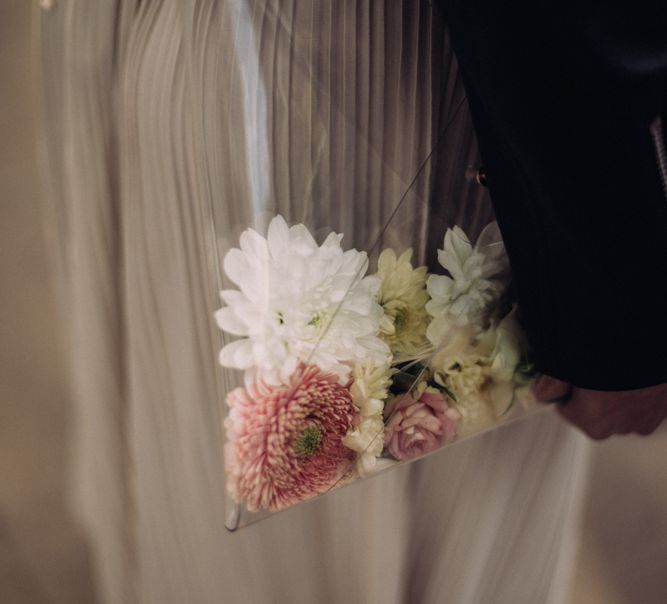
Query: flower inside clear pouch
365	316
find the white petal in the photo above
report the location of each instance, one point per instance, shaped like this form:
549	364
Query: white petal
460	243
278	237
333	240
235	265
237	355
490	240
464	310
366	464
254	245
438	329
288	368
372	406
371	284
301	240
233	297
452	263
386	260
228	321
439	286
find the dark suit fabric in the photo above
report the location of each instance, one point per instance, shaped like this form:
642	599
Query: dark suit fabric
562	98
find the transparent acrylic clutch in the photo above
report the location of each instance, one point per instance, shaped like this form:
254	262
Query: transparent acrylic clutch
366	315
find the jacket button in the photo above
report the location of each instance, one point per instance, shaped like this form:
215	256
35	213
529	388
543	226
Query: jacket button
477	175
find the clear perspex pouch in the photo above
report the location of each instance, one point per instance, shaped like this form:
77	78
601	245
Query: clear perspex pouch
366	313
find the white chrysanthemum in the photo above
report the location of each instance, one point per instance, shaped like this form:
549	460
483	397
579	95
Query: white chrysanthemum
369	392
403	297
299	302
475	281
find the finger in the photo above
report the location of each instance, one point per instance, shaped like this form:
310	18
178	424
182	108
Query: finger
649	426
595	430
549	389
646	430
584	414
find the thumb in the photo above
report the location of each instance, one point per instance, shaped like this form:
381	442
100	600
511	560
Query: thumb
548	389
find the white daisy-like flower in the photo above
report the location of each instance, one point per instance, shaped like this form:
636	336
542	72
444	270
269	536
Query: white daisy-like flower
403	297
369	391
475	281
299	302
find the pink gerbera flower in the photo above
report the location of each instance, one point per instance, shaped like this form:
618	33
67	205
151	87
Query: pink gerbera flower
284	442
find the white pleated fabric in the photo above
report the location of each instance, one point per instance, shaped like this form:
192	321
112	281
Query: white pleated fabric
170	126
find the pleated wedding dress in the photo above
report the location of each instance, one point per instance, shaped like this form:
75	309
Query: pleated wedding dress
169	126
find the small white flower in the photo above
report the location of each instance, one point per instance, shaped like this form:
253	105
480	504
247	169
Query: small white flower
369	392
299	302
370	387
403	297
367	439
475	281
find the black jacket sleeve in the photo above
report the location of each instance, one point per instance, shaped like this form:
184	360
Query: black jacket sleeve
563	98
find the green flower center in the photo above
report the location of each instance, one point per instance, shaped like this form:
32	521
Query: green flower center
316	321
400	319
309	441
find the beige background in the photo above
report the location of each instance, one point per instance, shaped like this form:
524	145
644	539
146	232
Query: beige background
43	556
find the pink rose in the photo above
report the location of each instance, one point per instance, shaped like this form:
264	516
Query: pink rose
417	427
